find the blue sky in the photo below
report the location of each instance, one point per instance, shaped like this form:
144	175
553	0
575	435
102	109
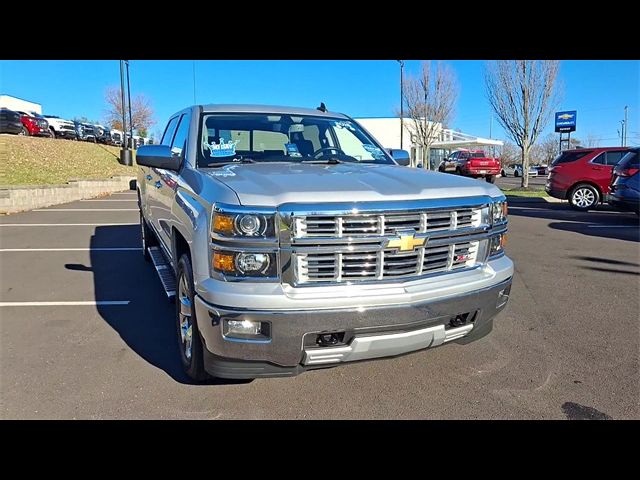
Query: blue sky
598	89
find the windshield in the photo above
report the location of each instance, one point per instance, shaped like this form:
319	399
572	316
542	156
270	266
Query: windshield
284	138
478	154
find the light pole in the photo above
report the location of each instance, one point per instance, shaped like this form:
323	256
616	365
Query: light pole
125	154
401	62
626	126
129	97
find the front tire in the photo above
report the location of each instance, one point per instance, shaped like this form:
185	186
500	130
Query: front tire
189	342
52	133
584	197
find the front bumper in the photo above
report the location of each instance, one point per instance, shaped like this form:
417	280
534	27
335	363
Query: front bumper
374	332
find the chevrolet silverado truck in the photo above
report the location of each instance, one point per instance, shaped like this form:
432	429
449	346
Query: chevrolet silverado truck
291	240
60	128
471	163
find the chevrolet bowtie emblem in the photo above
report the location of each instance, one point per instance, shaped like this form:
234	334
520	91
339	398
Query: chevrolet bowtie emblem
406	242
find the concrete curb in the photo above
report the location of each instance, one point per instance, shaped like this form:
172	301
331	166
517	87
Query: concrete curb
15	199
517	199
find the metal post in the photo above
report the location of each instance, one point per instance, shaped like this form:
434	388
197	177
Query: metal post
129	96
125	153
194	82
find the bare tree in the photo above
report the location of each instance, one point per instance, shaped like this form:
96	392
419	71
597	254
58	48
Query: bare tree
508	154
548	148
429	100
592	140
141	111
523	95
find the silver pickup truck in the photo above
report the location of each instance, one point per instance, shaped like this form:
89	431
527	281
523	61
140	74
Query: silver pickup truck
291	240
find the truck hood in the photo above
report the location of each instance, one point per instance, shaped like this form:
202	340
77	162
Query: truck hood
273	184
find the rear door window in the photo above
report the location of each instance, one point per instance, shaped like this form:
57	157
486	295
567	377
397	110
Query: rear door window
600	159
614	157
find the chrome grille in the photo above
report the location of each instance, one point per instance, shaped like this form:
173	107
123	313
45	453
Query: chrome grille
384	264
387	224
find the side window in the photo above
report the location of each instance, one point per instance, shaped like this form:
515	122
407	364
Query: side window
169	131
180	138
614	157
600	159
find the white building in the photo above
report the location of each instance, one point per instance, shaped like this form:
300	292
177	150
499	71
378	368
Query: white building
387	132
15	103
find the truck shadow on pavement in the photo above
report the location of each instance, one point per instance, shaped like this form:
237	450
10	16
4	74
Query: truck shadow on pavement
602	222
146	324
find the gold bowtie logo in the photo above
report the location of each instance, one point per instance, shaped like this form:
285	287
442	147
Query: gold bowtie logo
406	242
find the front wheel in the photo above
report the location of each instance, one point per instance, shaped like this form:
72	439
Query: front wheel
189	341
584	197
52	133
516	174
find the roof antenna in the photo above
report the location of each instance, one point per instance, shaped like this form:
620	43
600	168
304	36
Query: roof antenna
322	107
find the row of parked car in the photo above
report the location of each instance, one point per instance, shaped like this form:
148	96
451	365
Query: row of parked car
589	176
36	125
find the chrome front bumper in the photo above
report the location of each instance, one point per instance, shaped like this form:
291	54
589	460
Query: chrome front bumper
374	332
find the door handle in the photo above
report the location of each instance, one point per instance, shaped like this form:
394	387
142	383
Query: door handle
149	177
158	184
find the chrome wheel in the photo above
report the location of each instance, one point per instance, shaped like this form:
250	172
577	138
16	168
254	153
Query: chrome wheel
584	197
185	317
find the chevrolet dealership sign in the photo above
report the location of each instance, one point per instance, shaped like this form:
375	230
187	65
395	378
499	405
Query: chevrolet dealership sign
566	121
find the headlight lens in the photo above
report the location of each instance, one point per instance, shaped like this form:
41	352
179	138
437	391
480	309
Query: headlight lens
242	225
244	264
499	212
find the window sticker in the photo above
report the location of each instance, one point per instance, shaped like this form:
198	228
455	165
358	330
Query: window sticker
373	150
343	124
292	150
223	149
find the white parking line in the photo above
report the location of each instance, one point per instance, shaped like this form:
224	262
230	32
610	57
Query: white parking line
124	193
86	210
64	224
112	200
99	249
63	304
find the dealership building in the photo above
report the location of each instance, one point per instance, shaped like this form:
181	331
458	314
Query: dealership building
387	131
18	104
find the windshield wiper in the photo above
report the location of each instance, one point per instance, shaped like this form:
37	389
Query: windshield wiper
330	161
231	162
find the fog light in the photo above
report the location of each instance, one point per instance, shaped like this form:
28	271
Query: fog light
249	330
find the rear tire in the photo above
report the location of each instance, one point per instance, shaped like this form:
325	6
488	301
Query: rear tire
503	173
189	341
458	171
490	178
24	132
584	197
52	132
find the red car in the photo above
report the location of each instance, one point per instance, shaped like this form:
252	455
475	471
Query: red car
34	125
582	175
471	163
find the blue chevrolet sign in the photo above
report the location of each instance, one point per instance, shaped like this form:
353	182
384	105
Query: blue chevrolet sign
566	121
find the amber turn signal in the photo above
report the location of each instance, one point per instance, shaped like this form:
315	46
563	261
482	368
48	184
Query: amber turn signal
222	223
223	262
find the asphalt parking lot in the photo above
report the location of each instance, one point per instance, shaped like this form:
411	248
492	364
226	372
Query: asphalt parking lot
87	333
536	183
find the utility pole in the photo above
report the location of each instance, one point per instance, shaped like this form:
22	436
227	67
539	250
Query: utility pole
622	133
626	127
125	154
401	62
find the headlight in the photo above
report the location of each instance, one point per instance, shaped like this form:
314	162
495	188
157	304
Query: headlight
499	212
244	264
242	225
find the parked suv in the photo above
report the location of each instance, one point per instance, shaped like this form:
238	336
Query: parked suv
60	127
471	163
582	175
10	121
624	191
34	124
292	240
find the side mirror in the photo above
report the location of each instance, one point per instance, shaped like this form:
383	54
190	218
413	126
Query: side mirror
401	157
158	156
